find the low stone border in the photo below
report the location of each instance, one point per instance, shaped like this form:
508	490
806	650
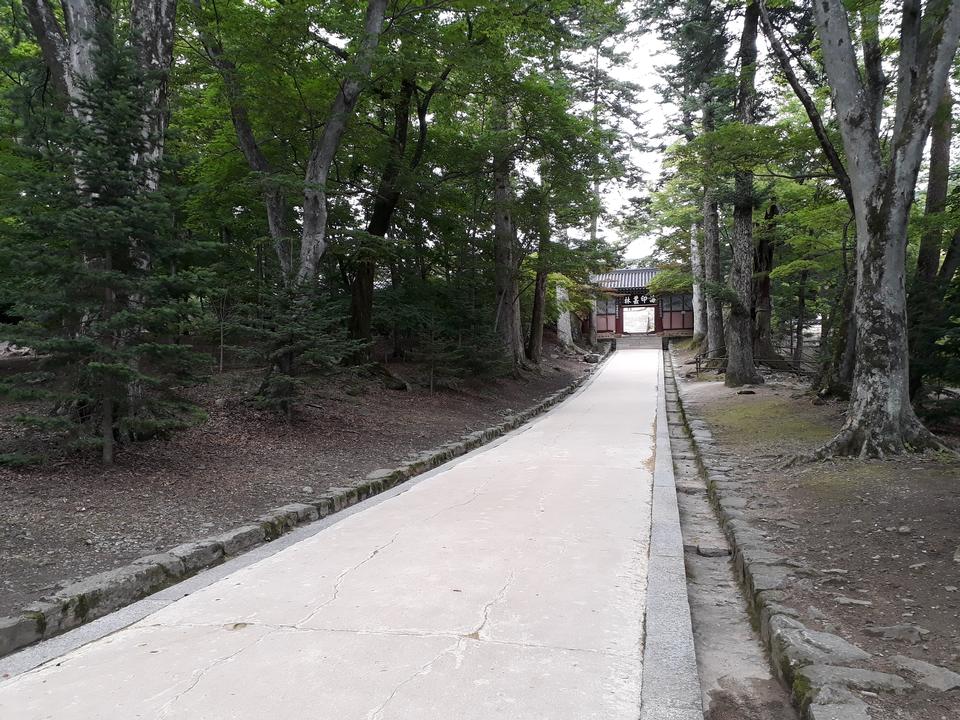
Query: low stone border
100	594
671	680
819	668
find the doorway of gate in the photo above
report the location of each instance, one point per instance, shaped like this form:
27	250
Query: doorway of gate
639	320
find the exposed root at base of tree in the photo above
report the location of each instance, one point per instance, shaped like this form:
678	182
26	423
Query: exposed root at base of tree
855	442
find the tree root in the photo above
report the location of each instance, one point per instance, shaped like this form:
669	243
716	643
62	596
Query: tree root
853	442
868	444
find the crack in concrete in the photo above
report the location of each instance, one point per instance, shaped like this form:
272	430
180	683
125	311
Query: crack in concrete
424	634
198	675
342	576
475	635
377	712
476	494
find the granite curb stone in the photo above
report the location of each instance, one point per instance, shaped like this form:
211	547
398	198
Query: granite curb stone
671	679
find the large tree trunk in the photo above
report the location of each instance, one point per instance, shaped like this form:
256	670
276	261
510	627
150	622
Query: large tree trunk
384	206
801	317
564	326
154	23
925	311
763	259
880	419
535	341
68	51
592	324
699	297
711	252
389	192
506	262
538	309
713	276
313	240
739	327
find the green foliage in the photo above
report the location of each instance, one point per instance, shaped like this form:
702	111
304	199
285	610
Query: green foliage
91	265
671	280
124	292
445	327
293	334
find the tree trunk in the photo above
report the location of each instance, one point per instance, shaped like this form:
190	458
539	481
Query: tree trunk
880	419
801	317
274	199
739	327
564	328
763	260
592	324
699	297
712	272
385	205
389	192
848	358
106	431
535	341
925	306
68	51
154	24
711	245
506	262
313	241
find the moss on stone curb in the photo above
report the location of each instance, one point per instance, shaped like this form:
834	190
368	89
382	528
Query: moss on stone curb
103	593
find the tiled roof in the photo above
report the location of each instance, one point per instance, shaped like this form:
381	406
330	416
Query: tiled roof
626	278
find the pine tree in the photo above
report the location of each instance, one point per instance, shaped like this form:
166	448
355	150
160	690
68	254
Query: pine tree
92	266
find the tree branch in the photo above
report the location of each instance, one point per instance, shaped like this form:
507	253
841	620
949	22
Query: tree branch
50	38
423	105
873	59
813	113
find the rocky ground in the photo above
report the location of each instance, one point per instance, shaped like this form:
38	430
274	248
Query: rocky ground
75	518
875	544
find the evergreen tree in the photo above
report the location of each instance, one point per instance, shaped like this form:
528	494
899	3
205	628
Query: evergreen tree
93	268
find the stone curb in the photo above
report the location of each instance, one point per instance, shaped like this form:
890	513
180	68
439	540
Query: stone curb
100	594
671	680
815	666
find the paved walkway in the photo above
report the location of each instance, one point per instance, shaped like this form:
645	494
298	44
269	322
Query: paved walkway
510	584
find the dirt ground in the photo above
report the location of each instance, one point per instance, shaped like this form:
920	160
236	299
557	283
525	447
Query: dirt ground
880	533
76	518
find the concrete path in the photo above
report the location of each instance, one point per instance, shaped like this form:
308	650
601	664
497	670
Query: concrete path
510	584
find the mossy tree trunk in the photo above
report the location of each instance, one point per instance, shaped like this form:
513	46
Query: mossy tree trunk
880	419
739	325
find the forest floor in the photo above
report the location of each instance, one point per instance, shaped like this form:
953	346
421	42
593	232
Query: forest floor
878	541
74	518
